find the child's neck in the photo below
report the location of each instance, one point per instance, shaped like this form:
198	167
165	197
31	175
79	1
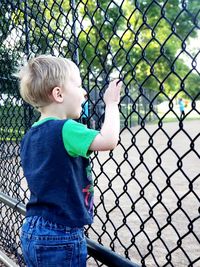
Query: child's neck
52	111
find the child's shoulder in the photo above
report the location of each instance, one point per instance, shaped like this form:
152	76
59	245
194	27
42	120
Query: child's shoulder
49	121
44	126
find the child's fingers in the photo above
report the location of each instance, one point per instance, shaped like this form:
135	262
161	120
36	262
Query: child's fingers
118	81
115	83
112	93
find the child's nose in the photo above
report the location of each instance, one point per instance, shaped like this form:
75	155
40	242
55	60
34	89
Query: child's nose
84	93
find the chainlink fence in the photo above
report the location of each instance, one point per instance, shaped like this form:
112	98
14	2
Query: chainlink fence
147	190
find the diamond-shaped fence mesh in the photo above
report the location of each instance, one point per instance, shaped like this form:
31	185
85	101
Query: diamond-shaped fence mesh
147	191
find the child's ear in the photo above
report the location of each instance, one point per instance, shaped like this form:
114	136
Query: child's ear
57	94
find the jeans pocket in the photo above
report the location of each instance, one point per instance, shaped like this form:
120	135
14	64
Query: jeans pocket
54	255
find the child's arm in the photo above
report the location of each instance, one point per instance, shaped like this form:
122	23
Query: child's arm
108	137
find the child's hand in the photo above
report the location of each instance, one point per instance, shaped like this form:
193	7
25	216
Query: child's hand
112	94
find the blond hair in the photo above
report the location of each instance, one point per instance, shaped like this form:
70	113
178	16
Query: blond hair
40	75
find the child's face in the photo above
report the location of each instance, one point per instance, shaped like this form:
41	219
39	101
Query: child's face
74	95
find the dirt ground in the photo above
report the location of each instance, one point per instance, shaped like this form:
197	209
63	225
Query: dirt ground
147	194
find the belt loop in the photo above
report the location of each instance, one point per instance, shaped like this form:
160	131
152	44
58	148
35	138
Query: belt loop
67	229
33	221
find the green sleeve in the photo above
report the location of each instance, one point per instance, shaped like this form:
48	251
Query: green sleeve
77	138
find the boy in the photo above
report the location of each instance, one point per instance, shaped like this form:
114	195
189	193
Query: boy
54	155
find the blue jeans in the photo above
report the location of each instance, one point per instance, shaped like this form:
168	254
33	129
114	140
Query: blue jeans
46	244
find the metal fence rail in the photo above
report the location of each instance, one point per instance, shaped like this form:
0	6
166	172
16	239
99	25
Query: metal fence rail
147	189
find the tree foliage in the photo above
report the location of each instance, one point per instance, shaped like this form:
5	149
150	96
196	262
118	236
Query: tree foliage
141	41
8	53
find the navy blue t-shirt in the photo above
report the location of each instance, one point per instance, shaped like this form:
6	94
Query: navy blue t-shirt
55	160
